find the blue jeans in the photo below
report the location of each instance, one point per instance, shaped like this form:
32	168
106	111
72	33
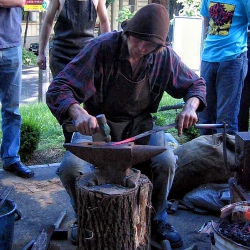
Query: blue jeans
224	81
162	168
10	94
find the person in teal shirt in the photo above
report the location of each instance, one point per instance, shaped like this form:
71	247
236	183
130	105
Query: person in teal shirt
224	61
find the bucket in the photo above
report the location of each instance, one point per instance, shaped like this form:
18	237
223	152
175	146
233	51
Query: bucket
8	215
220	242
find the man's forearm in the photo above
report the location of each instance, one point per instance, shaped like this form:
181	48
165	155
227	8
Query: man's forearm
75	110
105	27
11	3
192	103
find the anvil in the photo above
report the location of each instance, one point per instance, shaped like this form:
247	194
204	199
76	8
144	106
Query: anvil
113	163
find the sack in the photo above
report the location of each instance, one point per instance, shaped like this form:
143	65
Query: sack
211	196
201	161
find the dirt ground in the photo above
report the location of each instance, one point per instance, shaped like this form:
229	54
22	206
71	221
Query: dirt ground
48	156
40	200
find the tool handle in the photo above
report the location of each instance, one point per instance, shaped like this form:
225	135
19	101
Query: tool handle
60	219
209	125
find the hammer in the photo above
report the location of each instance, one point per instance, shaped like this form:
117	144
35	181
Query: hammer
103	127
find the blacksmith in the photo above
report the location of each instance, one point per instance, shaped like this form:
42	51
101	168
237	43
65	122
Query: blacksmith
123	74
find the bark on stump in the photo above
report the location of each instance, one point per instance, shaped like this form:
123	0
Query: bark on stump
114	217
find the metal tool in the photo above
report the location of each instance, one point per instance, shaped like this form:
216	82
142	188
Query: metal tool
103	127
152	131
106	130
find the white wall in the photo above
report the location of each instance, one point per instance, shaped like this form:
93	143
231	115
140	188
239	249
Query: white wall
187	40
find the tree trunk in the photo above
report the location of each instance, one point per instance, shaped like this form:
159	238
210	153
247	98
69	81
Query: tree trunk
114	217
26	29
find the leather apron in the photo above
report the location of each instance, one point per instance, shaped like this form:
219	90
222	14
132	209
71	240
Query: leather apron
74	29
126	108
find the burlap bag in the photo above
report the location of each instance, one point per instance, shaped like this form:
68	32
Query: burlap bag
201	161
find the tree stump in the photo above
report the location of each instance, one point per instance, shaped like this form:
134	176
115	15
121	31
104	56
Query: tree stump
114	217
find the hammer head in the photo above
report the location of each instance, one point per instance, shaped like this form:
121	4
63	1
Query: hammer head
104	127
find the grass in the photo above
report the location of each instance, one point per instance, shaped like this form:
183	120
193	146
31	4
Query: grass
51	132
167	117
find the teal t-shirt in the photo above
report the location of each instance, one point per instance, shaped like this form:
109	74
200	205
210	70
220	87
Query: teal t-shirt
227	34
247	7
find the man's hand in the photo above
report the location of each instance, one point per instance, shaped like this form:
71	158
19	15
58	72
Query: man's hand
85	124
188	116
41	61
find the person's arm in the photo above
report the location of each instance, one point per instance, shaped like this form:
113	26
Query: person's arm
188	116
205	26
103	16
182	83
11	3
46	31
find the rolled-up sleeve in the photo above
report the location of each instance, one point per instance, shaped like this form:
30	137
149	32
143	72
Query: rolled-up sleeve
179	80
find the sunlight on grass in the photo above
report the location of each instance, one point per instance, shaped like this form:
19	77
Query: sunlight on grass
51	132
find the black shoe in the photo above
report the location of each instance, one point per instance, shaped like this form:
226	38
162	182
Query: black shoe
74	234
19	169
165	231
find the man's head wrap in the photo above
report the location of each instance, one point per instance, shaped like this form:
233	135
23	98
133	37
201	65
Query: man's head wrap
150	23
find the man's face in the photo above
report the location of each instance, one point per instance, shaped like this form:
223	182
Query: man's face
138	48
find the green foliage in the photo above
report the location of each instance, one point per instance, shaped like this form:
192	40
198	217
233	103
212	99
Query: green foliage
125	14
51	131
190	7
29	58
30	137
166	117
191	133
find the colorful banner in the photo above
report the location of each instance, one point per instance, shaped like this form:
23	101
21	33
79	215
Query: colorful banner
36	5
